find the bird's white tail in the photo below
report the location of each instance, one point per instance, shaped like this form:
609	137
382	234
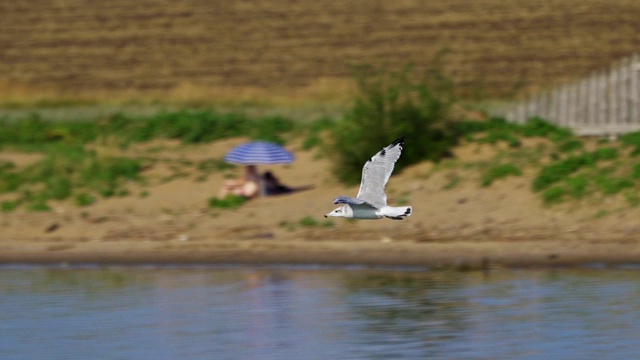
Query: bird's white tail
397	213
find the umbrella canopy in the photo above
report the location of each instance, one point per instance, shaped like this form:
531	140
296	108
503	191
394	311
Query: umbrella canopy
259	152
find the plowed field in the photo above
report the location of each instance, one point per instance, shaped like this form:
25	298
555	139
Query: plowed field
79	47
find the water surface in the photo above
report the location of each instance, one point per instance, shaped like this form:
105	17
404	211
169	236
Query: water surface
317	313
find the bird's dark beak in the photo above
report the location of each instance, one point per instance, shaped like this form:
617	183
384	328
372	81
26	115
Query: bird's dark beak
325	216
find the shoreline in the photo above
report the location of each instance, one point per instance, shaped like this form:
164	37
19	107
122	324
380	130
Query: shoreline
461	255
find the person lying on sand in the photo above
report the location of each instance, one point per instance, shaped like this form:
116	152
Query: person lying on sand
247	187
272	185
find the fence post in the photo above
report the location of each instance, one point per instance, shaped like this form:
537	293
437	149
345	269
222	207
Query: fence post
634	91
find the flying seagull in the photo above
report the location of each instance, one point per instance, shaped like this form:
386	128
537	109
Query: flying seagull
371	201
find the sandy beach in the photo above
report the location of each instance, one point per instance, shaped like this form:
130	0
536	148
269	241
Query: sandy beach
467	227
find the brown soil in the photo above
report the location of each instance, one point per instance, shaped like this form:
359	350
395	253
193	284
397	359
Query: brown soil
466	226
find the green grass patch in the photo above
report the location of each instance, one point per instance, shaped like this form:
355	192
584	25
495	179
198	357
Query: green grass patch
613	185
554	194
454	180
33	133
231	201
559	170
632	140
310	221
632	197
9	205
84	199
198	126
500	172
577	186
69	170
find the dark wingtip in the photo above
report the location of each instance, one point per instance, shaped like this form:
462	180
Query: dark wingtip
399	140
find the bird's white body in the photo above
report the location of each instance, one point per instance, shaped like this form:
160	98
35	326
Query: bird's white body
368	212
371	201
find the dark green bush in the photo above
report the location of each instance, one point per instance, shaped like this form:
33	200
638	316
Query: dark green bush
391	104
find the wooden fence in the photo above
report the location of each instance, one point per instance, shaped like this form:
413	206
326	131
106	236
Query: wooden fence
605	104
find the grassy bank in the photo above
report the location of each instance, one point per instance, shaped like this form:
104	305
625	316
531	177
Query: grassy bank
85	161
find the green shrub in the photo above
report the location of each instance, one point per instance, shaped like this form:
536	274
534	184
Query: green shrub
391	104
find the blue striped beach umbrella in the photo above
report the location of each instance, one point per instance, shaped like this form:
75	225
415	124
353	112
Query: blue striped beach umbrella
259	152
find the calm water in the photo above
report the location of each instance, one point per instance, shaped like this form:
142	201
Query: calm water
316	313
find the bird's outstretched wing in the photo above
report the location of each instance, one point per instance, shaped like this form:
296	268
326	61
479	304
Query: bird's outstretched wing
376	173
348	200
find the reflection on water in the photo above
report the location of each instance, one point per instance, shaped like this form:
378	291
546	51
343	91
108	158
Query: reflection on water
314	313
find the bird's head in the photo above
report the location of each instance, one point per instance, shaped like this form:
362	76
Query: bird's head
342	211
